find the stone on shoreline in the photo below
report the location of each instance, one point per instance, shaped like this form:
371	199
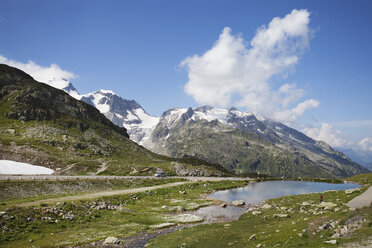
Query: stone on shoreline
350	191
223	205
238	203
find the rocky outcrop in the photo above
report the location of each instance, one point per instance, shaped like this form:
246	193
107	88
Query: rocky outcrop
182	170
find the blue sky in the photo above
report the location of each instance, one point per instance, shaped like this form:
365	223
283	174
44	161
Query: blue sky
135	48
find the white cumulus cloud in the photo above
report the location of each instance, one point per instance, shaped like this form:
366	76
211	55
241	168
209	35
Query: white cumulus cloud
235	73
366	144
327	134
52	75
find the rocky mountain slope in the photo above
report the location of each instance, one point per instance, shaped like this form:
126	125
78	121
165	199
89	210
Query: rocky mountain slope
43	125
363	158
124	113
242	144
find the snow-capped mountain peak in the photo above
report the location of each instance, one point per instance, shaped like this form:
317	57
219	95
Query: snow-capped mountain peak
124	113
204	112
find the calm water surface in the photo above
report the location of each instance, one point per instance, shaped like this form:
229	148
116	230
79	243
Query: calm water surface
258	192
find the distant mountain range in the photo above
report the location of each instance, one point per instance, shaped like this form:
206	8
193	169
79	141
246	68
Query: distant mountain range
363	158
241	142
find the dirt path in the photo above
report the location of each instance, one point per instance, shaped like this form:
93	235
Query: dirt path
363	200
100	194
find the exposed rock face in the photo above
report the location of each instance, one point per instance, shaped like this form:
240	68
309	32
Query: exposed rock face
238	203
182	170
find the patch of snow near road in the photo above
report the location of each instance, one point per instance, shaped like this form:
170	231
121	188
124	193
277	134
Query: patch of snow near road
17	168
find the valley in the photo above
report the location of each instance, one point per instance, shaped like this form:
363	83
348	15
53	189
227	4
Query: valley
185	124
166	214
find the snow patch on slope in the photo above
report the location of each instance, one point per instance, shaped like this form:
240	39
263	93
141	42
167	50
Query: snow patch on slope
101	104
17	168
173	115
148	121
141	130
211	114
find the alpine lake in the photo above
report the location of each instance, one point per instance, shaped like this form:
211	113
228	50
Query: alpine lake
257	192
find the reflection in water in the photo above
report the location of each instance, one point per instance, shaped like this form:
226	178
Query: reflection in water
258	192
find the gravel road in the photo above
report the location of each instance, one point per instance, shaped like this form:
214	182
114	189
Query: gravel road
59	177
112	192
363	200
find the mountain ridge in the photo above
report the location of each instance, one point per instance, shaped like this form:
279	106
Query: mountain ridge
42	125
153	133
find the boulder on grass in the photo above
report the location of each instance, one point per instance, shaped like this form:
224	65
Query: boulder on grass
111	240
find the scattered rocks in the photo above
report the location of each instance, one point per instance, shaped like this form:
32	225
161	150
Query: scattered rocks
111	240
182	192
328	226
238	203
305	204
350	226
